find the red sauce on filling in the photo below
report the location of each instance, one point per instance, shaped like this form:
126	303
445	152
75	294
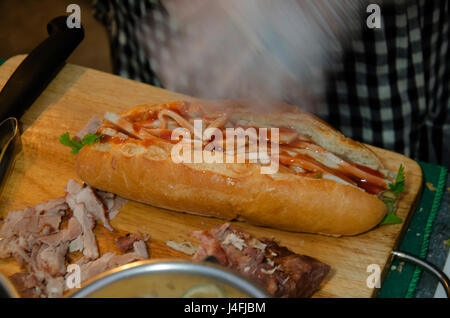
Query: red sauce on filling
364	184
166	134
136	128
151	115
112	139
370	170
369	187
146	142
312	167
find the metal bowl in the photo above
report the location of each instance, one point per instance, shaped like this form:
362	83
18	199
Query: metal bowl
170	279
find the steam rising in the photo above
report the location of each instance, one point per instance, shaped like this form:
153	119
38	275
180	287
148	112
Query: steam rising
264	49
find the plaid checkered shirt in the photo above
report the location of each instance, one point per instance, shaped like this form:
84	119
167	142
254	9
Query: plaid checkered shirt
390	89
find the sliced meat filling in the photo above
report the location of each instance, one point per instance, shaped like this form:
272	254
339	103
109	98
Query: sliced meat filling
112	202
52	207
93	205
125	243
91	127
27	284
49	259
282	272
91	268
87	222
77	193
34	238
72	231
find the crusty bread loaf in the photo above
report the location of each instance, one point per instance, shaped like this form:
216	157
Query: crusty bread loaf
146	173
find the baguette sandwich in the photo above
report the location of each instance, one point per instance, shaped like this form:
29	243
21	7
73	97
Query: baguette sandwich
323	182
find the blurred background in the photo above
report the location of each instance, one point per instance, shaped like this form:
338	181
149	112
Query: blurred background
386	86
23	27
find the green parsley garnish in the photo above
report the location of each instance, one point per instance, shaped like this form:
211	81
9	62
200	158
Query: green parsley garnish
391	218
399	185
389	197
319	175
75	144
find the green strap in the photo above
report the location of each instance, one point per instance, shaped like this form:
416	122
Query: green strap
403	277
427	231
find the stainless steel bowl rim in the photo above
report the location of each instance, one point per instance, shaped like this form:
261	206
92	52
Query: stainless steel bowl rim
167	266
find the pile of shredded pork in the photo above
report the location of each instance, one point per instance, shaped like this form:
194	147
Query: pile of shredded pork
39	238
282	272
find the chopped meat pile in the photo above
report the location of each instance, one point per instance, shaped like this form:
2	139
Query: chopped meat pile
127	242
282	272
34	237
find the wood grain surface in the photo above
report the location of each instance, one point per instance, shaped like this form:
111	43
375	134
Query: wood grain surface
41	172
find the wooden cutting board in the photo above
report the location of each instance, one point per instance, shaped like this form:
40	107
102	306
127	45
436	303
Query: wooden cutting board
77	93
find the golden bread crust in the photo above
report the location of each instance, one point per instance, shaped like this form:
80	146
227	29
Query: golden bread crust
284	201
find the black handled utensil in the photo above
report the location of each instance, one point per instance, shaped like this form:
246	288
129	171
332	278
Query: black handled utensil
27	83
39	68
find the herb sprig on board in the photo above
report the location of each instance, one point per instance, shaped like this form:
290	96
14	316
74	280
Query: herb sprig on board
389	197
77	144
